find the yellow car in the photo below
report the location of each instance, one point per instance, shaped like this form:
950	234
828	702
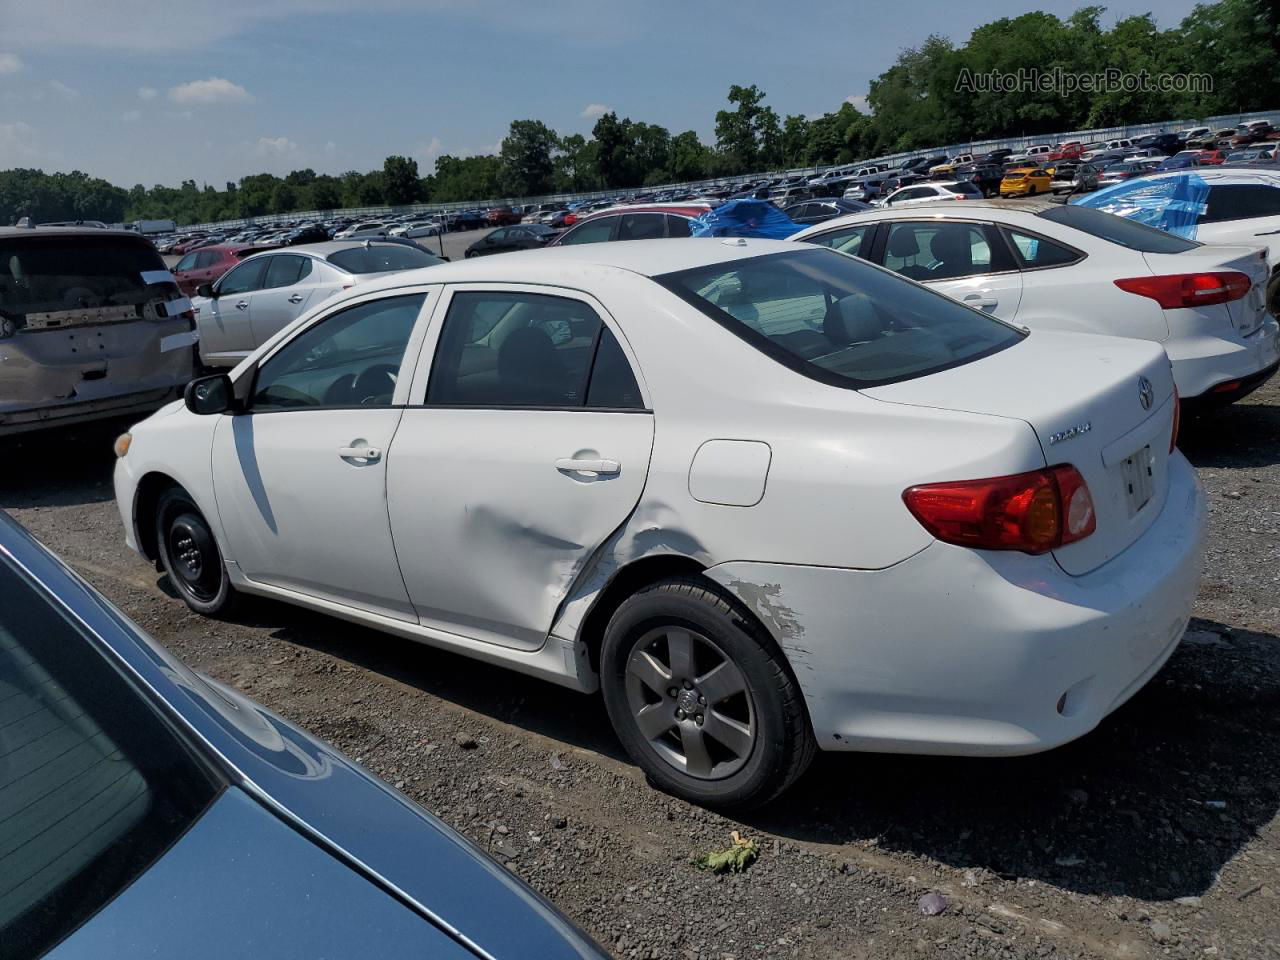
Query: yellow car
1025	182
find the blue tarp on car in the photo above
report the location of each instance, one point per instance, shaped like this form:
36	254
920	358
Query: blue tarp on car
1173	203
746	218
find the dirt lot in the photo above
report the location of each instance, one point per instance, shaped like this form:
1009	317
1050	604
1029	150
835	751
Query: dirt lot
1157	835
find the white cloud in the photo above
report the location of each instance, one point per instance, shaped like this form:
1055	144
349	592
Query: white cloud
213	90
62	90
859	103
9	63
274	146
147	93
593	110
330	148
131	116
18	145
428	151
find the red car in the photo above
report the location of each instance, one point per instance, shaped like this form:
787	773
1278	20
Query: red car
639	222
1211	158
1069	150
209	263
501	217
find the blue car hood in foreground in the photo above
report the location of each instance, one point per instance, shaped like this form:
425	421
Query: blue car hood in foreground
384	839
242	883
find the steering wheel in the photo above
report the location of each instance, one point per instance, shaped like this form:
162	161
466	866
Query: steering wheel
374	383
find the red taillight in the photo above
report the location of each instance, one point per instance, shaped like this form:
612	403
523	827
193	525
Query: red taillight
1189	289
570	220
1033	512
1177	419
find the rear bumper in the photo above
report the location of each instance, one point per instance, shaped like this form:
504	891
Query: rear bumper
1204	364
965	652
65	414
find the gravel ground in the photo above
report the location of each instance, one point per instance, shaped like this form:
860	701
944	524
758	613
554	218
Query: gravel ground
1156	835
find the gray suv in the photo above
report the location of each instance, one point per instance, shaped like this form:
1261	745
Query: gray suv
92	324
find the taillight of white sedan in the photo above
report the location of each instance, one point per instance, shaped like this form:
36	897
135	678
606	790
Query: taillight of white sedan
766	498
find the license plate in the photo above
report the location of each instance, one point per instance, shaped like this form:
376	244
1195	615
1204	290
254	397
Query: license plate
1138	474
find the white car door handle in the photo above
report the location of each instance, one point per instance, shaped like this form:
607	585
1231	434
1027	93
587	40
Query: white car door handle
607	468
297	298
242	305
368	454
978	300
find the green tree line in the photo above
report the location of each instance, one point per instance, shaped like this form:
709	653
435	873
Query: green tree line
917	103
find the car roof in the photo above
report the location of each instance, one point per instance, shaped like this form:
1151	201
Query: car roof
951	208
322	249
647	258
7	232
691	210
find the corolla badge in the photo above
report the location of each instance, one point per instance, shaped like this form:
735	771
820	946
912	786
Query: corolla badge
1146	393
1079	430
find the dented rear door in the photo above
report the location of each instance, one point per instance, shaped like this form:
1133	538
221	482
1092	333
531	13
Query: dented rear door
530	447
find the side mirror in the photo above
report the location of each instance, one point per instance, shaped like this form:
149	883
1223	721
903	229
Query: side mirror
205	290
209	395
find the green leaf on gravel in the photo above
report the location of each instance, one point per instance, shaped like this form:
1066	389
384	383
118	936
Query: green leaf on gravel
735	859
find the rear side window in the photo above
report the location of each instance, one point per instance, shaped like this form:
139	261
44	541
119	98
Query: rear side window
286	271
382	258
641	226
839	320
93	784
1127	233
50	274
937	250
1032	251
1240	201
679	226
528	350
848	240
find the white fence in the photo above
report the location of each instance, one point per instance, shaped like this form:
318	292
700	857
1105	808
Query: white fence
1014	143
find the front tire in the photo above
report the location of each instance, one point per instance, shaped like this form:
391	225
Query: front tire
701	696
1273	294
190	555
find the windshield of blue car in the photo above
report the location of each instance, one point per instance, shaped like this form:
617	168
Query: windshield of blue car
838	319
94	784
382	258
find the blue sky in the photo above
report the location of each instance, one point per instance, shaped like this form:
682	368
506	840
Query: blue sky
154	91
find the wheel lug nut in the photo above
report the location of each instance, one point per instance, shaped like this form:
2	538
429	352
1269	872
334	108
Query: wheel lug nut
698	719
679	714
688	685
702	701
673	692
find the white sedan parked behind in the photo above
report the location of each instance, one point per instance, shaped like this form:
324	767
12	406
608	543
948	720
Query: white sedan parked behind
765	497
266	292
1052	267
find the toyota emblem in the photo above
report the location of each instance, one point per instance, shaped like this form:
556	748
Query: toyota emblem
1146	393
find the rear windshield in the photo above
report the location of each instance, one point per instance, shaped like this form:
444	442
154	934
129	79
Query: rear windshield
838	319
1127	233
94	786
52	274
382	258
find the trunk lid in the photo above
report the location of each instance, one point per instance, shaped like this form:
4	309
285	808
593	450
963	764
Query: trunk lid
1245	314
1084	398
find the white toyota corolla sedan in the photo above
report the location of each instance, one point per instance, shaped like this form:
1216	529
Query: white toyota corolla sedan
765	497
1053	267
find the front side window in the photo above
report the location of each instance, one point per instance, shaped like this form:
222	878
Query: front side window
244	279
838	319
350	358
186	263
500	349
94	786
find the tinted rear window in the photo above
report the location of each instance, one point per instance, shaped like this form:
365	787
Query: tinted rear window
48	274
382	258
838	319
1127	233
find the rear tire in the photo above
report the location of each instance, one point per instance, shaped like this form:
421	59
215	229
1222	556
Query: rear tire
1273	294
190	556
701	696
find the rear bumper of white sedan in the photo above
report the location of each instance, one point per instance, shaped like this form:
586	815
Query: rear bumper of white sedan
982	653
1204	363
